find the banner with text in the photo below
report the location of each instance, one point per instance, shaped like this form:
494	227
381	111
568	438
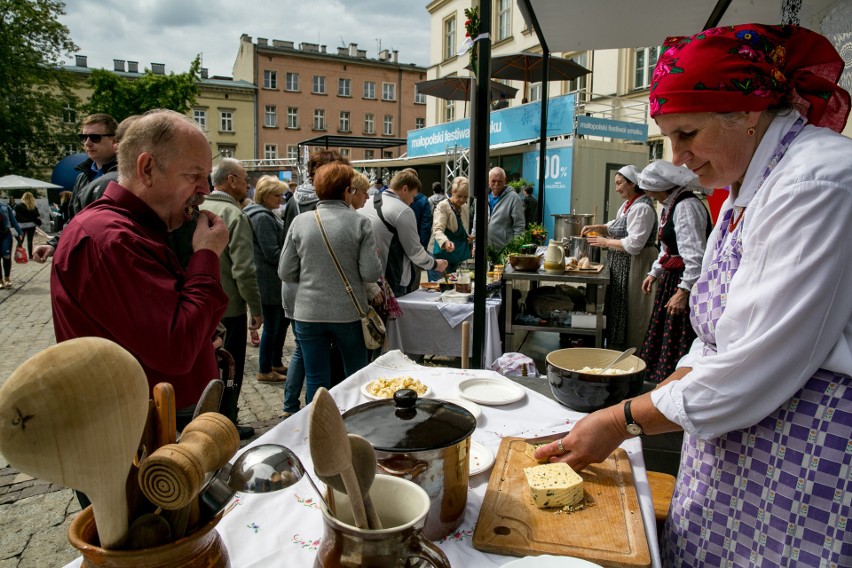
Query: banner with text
557	181
512	124
594	126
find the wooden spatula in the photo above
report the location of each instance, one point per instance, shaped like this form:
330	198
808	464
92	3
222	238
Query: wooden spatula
73	415
364	462
331	452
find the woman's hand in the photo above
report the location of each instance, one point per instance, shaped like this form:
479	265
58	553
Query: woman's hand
678	304
593	229
470	239
449	246
591	440
648	284
597	242
378	299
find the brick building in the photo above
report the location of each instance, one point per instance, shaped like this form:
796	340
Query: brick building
306	91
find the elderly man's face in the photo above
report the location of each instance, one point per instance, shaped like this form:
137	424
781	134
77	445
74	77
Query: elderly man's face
179	182
497	182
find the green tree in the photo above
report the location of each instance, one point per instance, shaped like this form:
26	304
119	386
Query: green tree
121	97
34	91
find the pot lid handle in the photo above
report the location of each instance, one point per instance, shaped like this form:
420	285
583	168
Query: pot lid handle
405	398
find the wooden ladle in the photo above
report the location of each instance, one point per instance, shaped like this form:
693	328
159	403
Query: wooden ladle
331	452
73	415
364	462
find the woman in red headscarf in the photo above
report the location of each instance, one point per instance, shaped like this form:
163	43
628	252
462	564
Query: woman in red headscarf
764	397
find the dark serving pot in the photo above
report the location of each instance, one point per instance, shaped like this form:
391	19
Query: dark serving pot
586	392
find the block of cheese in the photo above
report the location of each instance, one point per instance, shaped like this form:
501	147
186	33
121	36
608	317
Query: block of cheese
554	485
530	452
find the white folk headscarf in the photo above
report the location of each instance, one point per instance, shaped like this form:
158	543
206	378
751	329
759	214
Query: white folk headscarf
663	176
630	173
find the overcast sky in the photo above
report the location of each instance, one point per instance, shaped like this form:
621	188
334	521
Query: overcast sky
174	31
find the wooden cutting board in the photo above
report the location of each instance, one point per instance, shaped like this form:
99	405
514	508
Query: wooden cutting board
593	269
608	531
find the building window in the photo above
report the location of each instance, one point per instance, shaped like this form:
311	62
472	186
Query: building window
419	98
369	123
387	154
504	19
449	111
319	119
579	84
270	152
346	152
226	121
270	119
343	126
388	92
535	92
344	87
387	129
645	59
200	117
270	79
69	114
292	152
70	149
227	151
318	85
292	82
450	37
655	150
368	154
292	117
369	89
419	123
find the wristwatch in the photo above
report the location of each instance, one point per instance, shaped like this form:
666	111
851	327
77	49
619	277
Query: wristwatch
632	427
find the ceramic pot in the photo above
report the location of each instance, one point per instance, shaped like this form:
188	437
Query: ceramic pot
554	259
402	507
201	549
585	392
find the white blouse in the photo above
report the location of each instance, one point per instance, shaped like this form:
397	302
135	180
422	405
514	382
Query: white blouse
640	223
790	303
690	219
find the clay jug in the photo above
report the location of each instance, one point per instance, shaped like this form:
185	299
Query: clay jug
554	258
402	506
202	548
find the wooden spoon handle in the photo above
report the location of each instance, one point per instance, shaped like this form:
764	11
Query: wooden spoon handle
372	516
350	482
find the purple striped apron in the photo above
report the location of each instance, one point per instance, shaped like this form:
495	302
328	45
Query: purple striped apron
777	493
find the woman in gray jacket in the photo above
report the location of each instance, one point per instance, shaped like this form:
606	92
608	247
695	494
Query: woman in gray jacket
268	232
323	310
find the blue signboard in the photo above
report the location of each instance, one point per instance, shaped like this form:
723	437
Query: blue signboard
512	124
557	181
594	126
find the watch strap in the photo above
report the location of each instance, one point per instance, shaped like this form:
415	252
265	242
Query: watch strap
633	428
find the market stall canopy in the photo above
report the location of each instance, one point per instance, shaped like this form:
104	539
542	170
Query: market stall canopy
459	88
20	182
579	25
330	141
528	67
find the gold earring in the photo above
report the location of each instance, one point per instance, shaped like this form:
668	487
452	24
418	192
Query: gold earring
750	131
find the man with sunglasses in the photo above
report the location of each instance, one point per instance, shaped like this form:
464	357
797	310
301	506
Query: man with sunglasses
99	143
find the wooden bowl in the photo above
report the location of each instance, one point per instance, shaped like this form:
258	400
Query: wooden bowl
585	392
525	261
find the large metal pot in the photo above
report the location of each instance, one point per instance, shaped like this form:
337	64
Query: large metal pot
426	441
565	225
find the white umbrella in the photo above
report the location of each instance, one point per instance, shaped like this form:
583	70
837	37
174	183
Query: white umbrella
21	182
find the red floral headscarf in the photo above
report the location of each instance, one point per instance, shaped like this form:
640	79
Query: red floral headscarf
751	67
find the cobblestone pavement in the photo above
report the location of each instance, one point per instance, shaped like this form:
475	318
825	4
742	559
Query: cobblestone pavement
34	514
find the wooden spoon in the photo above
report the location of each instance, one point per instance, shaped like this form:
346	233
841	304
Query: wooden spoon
331	452
364	462
73	415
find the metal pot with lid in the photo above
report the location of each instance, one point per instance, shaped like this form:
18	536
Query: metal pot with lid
426	441
570	225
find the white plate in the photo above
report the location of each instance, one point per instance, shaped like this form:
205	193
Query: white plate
490	391
548	561
366	393
481	458
468	405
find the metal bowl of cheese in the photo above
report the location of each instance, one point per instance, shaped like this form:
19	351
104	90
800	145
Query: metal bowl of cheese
576	381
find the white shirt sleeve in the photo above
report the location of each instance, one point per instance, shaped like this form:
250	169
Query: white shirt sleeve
640	223
788	309
690	218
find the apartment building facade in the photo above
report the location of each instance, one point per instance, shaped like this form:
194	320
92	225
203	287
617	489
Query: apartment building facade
306	91
224	108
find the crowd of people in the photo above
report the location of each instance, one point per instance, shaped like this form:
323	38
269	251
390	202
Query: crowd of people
745	329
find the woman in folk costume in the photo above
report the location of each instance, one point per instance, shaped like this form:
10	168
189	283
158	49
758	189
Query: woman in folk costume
764	395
